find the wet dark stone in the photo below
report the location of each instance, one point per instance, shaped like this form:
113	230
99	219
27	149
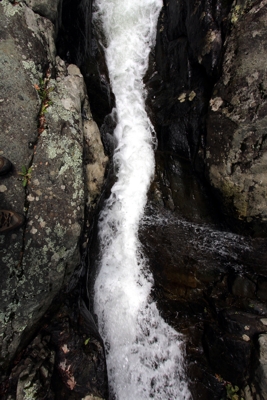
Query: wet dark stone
240	323
203	384
187	63
177	187
206	281
204	55
80	367
243	287
96	77
75	34
66	359
229	356
262	290
33	367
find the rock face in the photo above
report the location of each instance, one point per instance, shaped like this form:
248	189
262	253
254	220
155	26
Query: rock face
78	43
236	149
209	285
46	128
187	59
207	93
49	9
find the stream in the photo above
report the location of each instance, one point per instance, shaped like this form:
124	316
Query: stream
144	354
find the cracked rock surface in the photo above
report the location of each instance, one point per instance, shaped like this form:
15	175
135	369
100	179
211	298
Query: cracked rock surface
38	259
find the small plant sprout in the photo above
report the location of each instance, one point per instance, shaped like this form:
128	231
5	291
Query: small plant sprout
232	391
26	175
43	92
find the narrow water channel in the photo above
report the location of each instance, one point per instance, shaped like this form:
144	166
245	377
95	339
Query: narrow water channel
144	354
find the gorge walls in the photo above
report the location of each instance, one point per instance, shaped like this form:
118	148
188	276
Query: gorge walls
208	99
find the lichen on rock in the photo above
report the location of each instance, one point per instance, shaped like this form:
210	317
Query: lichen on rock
38	260
236	127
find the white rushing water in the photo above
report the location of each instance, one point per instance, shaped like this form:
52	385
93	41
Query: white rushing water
144	354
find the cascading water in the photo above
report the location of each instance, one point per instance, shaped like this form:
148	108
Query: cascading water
144	354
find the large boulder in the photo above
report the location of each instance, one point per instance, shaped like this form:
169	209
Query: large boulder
46	127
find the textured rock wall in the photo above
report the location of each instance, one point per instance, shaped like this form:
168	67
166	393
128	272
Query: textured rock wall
236	149
78	43
207	96
47	126
206	90
48	9
187	58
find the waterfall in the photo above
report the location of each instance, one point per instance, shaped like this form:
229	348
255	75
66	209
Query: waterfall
144	354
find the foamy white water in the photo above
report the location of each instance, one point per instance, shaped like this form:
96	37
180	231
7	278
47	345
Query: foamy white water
144	354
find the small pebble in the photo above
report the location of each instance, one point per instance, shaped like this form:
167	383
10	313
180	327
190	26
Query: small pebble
3	188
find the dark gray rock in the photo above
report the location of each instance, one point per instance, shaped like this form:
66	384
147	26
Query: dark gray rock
80	368
261	372
78	43
186	66
38	260
262	290
32	375
206	94
207	284
243	287
50	9
66	360
236	126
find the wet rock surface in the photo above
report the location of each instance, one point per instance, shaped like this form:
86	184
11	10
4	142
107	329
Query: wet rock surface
209	285
186	65
80	361
205	95
65	360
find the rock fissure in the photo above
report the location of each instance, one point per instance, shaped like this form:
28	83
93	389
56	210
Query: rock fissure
53	193
43	92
